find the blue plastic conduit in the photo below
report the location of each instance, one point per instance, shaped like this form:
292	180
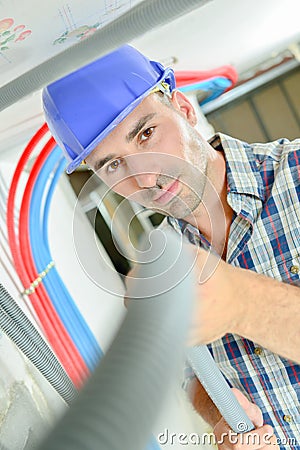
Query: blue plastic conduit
66	307
62	301
94	351
213	87
37	244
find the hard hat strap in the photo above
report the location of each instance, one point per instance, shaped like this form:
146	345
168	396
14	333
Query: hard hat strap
162	87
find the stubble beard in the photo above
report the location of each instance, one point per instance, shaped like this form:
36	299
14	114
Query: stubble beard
194	176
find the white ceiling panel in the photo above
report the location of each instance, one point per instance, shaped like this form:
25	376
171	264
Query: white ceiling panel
32	32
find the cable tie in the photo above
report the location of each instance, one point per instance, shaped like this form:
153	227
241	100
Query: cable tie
38	280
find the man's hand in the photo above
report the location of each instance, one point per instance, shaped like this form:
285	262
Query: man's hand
261	438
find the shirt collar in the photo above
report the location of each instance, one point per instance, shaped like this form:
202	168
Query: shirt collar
242	167
245	185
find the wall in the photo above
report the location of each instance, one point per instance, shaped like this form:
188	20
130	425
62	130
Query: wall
265	114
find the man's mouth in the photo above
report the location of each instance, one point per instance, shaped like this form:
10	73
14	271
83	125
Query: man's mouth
167	193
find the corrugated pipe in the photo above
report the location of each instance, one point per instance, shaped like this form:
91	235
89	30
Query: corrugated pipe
20	330
214	383
118	406
143	17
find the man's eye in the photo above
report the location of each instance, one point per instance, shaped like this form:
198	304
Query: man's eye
114	165
146	134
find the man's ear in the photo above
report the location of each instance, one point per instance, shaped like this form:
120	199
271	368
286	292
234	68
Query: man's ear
184	106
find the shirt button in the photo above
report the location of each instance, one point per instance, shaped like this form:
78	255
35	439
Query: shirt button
258	351
287	418
294	270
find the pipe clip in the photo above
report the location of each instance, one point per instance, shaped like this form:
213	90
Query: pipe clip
38	280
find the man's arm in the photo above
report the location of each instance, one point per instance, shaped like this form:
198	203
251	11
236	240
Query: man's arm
271	314
202	402
235	300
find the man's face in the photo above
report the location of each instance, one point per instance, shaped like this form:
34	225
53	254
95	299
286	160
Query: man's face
155	157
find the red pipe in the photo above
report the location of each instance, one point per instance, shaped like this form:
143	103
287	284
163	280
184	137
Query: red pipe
21	251
16	254
60	333
186	77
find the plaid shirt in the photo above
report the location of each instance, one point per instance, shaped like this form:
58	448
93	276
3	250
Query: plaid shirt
264	192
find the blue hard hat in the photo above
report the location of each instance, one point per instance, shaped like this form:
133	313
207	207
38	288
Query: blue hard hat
82	108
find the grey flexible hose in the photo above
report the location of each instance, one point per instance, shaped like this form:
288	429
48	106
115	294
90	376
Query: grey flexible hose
17	326
118	406
143	17
217	388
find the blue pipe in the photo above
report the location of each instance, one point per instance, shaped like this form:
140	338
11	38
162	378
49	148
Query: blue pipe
212	87
92	344
62	301
68	319
36	218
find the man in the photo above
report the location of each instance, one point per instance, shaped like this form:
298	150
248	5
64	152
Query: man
123	116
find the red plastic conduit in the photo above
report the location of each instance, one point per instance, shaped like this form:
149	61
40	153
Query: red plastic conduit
25	247
58	337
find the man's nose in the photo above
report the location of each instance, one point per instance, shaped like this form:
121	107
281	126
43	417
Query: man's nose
143	171
146	180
